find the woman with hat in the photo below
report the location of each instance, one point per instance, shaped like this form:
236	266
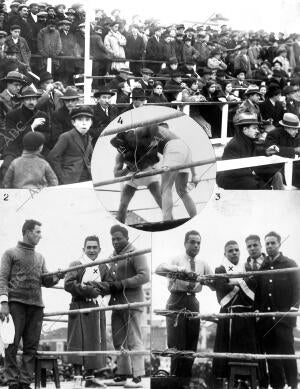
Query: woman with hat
272	107
71	156
285	141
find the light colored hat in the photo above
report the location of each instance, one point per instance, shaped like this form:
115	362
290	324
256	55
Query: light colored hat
290	120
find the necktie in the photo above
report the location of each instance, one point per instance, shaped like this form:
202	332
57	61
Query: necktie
192	285
106	112
255	265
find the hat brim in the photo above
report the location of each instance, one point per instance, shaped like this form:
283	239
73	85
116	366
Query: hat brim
97	94
13	79
69	97
289	126
252	93
37	95
82	114
247	122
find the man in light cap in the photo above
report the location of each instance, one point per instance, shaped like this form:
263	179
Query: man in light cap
285	142
16	41
71	156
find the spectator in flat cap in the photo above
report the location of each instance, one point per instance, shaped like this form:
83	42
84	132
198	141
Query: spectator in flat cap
19	44
189	51
115	43
135	48
123	94
49	44
60	12
146	82
25	28
282	58
174	86
14	83
30	171
71	156
104	112
154	50
242	61
100	54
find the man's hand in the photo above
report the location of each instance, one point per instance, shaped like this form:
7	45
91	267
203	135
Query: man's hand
38	122
297	150
91	292
272	150
116	286
104	288
4	312
196	179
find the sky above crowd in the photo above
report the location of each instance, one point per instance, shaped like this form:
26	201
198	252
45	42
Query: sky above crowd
278	15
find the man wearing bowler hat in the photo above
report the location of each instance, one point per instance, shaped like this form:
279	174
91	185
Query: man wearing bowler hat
104	113
71	156
138	97
285	141
18	122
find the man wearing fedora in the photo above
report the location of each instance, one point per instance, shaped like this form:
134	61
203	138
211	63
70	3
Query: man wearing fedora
104	113
124	75
138	97
146	82
61	119
242	145
272	107
286	139
251	102
19	121
71	156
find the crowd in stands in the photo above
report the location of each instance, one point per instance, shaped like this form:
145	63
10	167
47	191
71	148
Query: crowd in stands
140	61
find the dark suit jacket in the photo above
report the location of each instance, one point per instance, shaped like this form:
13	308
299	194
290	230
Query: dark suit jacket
284	141
70	157
270	111
61	122
101	121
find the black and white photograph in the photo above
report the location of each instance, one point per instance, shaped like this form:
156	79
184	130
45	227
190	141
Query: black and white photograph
77	287
225	296
159	168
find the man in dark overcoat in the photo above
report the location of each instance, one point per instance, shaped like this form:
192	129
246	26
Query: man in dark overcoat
278	292
87	332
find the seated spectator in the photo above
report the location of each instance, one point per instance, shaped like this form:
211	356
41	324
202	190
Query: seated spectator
61	119
272	107
157	95
264	73
279	75
215	61
171	67
146	82
263	91
188	69
138	97
192	92
242	145
123	93
30	171
174	86
282	58
286	140
228	93
292	99
123	75
210	91
71	156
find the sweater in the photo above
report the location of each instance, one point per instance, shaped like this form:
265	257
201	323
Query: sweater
21	275
29	171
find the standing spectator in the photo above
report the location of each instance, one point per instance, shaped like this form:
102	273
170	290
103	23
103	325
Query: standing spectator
242	61
115	43
71	156
135	48
22	274
15	41
179	43
278	292
154	50
254	53
99	53
49	44
104	113
32	20
68	39
282	58
215	62
202	47
167	47
190	54
25	28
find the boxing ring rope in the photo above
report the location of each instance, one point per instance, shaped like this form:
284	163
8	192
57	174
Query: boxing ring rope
142	123
241	356
213	316
117	307
154	172
95	263
196	278
92	353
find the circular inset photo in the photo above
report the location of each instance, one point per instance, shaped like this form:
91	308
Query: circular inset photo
153	168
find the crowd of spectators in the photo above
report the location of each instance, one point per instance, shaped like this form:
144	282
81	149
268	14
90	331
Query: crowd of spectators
139	61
